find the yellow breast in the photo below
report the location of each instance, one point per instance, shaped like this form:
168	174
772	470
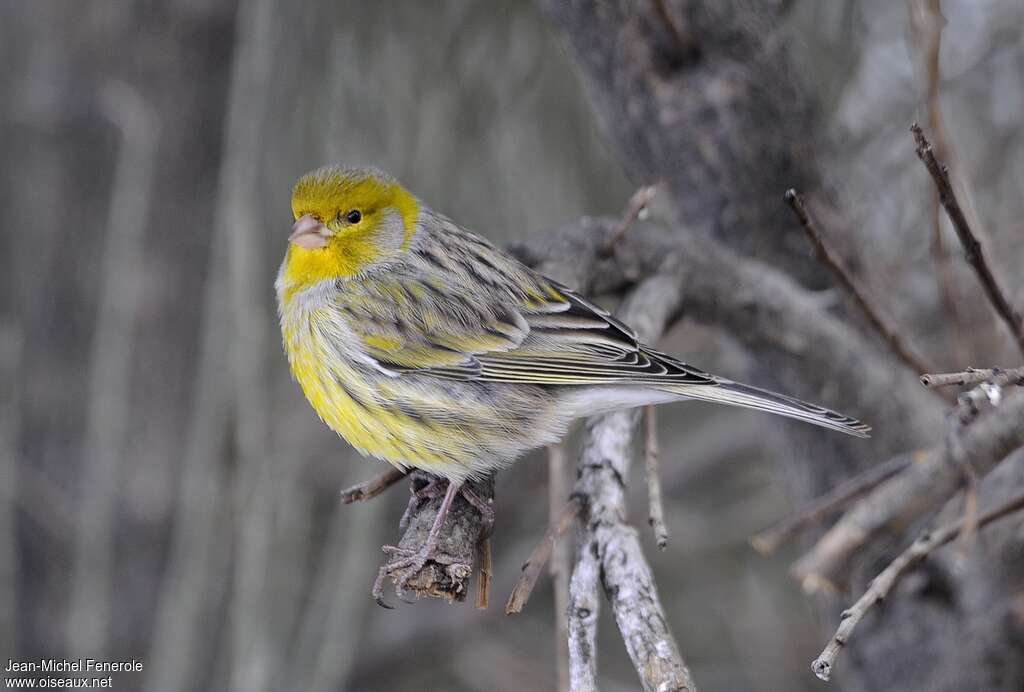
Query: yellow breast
360	406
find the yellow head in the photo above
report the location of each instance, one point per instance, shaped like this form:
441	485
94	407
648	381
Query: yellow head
346	220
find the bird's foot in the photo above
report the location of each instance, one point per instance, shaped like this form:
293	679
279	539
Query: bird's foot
406	568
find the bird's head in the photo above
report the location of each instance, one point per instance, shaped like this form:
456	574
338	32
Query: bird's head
346	221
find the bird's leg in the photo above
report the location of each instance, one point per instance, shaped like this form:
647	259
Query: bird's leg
482	506
428	491
413	561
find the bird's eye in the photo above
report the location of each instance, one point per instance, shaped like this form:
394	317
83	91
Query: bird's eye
354	216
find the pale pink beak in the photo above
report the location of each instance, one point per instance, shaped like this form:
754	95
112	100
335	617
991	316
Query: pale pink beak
308	233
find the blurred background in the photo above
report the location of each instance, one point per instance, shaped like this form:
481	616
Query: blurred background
166	494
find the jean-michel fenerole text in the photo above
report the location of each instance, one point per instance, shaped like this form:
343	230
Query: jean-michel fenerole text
72	665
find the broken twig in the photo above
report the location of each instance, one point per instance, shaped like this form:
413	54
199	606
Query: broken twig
486	571
535	563
367	490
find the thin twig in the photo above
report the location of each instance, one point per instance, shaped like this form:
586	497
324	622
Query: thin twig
634	210
656	510
367	490
770	539
972	376
483	581
535	563
851	284
883	584
926	24
973	251
967	408
559	566
892	506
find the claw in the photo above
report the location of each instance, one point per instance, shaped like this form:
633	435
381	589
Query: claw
403	569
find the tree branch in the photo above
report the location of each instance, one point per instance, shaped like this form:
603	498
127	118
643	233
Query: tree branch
922	487
485	572
584	607
770	539
926	24
603	469
852	285
757	304
656	510
882	585
972	376
973	251
535	563
367	490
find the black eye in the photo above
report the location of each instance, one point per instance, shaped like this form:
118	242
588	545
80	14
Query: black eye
354	216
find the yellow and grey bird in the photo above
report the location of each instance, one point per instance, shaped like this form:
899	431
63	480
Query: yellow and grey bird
424	345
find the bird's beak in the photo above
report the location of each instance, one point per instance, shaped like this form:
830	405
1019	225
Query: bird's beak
308	233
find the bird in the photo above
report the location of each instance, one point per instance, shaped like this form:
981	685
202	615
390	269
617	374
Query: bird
424	345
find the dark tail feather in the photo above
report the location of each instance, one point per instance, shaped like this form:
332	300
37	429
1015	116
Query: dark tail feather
728	392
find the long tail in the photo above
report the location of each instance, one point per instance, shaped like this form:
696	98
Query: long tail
728	392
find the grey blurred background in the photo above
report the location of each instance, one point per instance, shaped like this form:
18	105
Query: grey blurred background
165	491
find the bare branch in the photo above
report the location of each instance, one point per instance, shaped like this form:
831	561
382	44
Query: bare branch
484	573
636	209
535	563
973	251
584	607
762	307
839	497
963	414
882	585
367	490
972	376
603	469
656	511
926	24
852	285
924	485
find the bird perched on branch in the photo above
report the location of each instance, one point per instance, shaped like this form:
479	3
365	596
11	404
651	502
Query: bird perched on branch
425	346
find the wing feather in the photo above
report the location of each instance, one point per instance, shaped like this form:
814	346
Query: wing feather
409	322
